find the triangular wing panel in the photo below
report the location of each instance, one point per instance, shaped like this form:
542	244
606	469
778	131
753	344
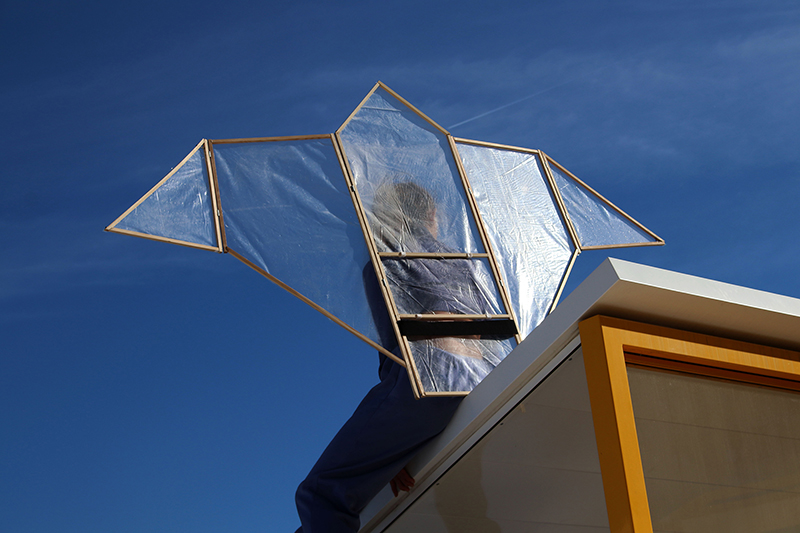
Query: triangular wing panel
530	240
178	209
287	210
598	222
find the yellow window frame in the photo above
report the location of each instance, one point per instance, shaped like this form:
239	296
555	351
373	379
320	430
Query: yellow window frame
609	346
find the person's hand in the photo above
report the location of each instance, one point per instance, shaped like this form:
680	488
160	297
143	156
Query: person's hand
402	481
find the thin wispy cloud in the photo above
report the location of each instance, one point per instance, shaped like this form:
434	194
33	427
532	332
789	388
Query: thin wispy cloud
684	114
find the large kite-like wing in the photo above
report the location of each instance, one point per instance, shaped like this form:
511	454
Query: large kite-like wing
446	290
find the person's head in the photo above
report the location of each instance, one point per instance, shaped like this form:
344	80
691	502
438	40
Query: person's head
405	206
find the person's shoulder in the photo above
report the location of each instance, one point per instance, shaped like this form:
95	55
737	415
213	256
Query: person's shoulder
429	243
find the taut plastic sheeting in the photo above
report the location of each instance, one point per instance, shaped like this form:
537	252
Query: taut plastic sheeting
442	253
178	209
598	223
414	198
287	209
530	239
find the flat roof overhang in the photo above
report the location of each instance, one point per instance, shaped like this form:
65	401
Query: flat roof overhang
616	288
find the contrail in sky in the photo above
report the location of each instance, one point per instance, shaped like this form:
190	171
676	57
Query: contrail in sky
537	93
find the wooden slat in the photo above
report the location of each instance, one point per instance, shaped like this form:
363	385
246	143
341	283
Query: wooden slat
629	245
450	316
413	108
214	193
433	255
405	348
444	394
357	109
224	243
562	209
162	239
405	351
485	144
473	204
272	139
564	278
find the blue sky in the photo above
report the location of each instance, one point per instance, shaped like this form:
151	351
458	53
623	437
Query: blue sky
150	387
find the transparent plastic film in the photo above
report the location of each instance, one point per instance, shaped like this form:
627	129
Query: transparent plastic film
528	236
179	208
457	364
376	227
404	218
287	209
596	221
437	286
388	144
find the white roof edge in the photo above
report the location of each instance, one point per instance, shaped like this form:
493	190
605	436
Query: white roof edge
616	288
650	294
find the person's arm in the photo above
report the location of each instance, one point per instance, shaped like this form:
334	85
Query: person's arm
464	345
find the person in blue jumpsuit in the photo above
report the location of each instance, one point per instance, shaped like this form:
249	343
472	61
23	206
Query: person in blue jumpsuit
389	426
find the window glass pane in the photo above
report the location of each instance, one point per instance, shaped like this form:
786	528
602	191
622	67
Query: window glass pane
717	455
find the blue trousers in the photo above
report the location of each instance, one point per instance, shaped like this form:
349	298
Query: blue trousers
384	433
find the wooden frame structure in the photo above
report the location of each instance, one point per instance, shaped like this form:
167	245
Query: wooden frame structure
610	345
215	213
657	241
404	325
437	324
